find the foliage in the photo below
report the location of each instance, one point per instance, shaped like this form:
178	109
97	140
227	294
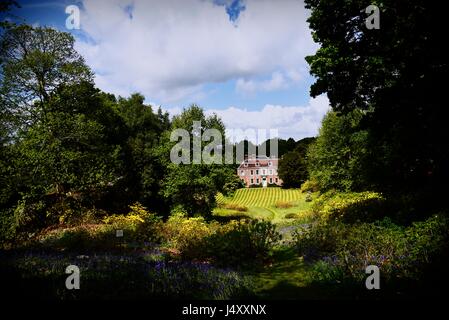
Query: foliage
235	206
384	74
402	252
190	187
242	243
194	187
350	206
187	235
292	216
310	186
139	135
35	62
283	204
7	227
138	226
237	243
119	277
293	163
292	169
339	157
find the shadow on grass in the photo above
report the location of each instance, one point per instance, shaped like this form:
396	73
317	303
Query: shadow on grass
290	278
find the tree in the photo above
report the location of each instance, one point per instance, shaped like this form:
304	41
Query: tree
292	169
68	160
193	186
340	158
293	163
34	63
143	169
397	75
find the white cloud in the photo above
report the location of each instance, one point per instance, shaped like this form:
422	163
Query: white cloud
276	82
171	48
290	121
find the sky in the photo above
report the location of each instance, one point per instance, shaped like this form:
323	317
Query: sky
241	59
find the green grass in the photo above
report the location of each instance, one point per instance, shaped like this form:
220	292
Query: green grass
287	277
263	197
261	204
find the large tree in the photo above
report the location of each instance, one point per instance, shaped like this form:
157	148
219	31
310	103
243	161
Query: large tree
293	163
193	186
340	156
34	63
396	74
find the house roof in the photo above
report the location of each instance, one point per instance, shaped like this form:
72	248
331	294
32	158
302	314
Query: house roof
259	162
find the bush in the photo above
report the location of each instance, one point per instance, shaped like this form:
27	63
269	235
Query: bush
317	240
242	243
29	215
230	187
7	227
292	216
237	243
310	186
235	206
283	205
138	226
400	252
187	236
350	207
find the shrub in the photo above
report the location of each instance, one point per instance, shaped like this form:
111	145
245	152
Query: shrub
283	205
235	206
350	206
310	186
138	225
29	215
428	237
400	252
242	243
237	243
7	227
314	241
187	235
292	216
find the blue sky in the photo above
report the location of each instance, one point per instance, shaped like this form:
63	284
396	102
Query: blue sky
242	59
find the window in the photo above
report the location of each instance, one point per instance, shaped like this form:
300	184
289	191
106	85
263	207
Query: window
257	164
270	171
276	180
263	171
270	164
271	180
257	172
242	173
252	172
257	180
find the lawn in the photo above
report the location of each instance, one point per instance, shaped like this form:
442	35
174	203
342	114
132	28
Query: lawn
287	277
261	204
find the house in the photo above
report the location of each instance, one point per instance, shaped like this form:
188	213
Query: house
260	170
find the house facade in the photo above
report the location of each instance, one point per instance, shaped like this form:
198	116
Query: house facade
260	170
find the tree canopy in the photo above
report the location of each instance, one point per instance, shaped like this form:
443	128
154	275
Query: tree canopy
396	75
